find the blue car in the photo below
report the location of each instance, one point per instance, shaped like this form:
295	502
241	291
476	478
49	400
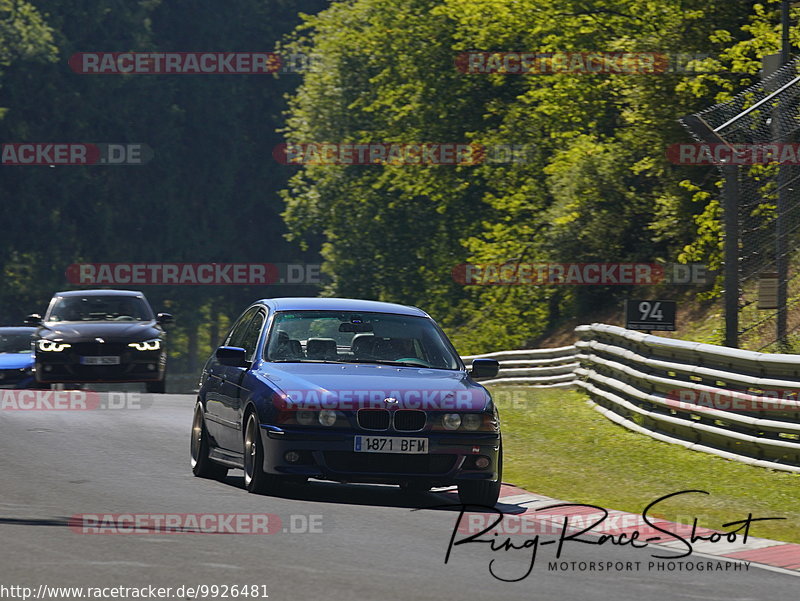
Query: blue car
16	357
350	391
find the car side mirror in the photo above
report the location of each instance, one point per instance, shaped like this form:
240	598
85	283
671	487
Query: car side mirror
484	368
232	356
34	319
164	318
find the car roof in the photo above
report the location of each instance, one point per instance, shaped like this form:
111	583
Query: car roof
339	304
99	293
17	329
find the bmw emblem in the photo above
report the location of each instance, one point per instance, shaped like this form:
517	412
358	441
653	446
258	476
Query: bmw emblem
390	400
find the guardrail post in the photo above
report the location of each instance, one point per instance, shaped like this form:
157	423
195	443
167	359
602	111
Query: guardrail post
731	216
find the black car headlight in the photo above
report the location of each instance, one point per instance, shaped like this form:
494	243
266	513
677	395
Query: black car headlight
147	345
49	346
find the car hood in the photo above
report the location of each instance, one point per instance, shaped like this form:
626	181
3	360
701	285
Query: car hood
358	386
15	360
109	331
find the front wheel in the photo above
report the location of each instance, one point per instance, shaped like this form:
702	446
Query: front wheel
482	492
255	479
202	465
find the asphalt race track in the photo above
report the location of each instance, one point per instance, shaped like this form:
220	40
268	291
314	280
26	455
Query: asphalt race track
372	546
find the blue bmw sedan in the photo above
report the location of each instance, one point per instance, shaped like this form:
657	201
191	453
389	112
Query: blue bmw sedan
350	391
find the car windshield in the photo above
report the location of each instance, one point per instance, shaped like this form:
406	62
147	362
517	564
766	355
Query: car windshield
15	343
99	308
350	337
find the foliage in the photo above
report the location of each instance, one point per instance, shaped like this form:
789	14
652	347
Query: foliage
596	185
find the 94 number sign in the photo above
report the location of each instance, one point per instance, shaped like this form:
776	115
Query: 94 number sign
650	315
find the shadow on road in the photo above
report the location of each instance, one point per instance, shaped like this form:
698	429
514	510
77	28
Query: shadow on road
381	495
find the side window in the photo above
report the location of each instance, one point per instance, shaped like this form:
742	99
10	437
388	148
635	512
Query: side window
239	329
251	334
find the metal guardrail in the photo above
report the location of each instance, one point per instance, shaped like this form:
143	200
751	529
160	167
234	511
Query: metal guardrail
544	368
737	404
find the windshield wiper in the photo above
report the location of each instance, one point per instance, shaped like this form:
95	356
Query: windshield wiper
304	361
385	362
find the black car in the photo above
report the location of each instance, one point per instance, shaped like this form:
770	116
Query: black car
100	336
346	390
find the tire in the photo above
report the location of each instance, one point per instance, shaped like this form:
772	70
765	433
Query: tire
482	492
202	465
255	479
158	387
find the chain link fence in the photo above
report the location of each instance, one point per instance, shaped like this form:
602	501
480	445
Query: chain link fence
763	118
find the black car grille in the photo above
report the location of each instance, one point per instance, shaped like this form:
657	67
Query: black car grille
404	420
389	463
374	419
409	420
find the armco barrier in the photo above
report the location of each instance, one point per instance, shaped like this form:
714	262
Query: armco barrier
705	397
544	368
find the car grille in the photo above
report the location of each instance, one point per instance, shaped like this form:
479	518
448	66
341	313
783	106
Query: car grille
389	463
409	420
373	419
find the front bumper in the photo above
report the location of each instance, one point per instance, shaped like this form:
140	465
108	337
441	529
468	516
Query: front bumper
134	366
329	455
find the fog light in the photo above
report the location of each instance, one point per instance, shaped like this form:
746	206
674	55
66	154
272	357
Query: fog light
327	417
305	418
471	421
482	463
292	457
451	421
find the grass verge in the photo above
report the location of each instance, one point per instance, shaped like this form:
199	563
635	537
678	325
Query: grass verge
555	444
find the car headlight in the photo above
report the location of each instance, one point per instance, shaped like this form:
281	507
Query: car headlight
147	345
451	421
306	418
327	417
48	346
471	421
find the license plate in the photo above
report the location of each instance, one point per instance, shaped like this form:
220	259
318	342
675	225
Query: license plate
100	360
389	444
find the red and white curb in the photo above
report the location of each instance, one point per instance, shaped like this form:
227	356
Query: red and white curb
765	553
